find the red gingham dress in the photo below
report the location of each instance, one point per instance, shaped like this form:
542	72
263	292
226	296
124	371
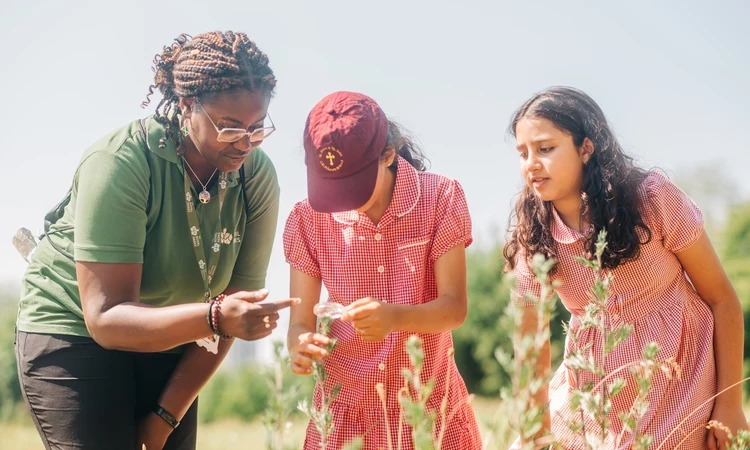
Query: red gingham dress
392	261
654	295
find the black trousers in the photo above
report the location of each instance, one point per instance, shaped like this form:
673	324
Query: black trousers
82	396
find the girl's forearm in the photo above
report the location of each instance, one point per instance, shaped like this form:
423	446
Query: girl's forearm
728	350
530	326
445	313
298	328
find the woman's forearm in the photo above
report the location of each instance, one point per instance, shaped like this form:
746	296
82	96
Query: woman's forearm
135	327
195	368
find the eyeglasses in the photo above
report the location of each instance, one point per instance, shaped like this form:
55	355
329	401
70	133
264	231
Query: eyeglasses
228	135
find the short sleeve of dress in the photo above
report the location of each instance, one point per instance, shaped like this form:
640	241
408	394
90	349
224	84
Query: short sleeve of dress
675	218
299	246
453	221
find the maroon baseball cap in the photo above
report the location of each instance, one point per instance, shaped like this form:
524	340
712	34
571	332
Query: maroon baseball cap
345	134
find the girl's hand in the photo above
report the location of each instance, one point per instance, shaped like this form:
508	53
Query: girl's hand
372	319
307	349
243	316
153	432
732	418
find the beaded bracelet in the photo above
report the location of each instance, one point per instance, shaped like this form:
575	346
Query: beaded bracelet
214	310
211	323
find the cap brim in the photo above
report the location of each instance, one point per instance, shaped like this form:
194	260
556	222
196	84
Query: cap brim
330	195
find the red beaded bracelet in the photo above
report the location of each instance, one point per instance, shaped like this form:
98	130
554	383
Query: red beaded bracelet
214	310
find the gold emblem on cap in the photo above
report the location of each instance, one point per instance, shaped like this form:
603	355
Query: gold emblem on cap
330	158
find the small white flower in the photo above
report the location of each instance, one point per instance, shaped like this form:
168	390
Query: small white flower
202	264
216	247
194	231
223	184
225	237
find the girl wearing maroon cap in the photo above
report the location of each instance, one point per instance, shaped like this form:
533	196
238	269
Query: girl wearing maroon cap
668	282
388	242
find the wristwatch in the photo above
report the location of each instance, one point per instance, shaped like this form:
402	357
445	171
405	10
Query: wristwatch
169	418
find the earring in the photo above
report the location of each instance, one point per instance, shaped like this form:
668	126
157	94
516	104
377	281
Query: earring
184	128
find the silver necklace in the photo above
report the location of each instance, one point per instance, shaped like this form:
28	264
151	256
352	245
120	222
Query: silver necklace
204	196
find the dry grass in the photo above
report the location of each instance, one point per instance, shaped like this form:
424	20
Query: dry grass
228	435
225	435
20	436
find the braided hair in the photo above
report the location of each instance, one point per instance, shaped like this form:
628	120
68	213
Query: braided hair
203	66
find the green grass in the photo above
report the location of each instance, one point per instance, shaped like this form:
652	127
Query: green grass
224	435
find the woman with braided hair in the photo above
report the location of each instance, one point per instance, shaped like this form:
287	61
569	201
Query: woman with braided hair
157	259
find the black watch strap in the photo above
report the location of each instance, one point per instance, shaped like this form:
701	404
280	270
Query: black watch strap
169	418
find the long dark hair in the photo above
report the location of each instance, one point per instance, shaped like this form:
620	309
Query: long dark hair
611	180
406	146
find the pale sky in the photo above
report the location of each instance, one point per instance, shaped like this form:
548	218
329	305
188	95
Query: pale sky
670	75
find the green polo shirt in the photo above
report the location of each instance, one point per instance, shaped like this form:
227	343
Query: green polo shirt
128	206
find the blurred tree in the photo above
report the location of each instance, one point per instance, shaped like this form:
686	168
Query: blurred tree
10	390
487	329
714	193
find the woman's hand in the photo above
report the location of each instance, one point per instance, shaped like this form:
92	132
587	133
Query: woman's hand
372	319
244	317
307	349
153	432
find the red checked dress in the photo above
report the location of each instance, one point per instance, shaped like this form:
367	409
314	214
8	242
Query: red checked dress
654	295
392	261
